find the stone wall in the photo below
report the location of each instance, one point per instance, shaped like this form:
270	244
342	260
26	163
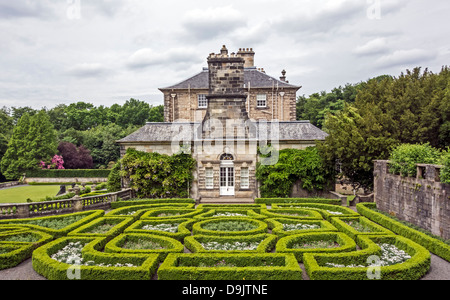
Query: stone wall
423	201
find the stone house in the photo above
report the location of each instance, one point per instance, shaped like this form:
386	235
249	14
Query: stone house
221	116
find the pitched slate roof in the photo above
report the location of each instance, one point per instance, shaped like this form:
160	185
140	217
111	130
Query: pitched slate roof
165	132
256	78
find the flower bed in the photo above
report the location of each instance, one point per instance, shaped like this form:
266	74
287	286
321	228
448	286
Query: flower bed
400	259
203	266
229	227
17	246
103	227
327	211
167	213
255	207
137	211
355	226
135	243
92	264
230	212
284	227
212	244
315	242
292	213
173	228
57	226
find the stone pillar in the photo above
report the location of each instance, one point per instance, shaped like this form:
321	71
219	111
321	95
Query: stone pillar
77	203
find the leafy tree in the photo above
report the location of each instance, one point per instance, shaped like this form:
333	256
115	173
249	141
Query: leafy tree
75	157
114	183
33	140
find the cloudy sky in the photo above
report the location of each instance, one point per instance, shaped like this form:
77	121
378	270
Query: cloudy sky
107	51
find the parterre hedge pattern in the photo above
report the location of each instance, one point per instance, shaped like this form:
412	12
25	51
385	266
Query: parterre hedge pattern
174	240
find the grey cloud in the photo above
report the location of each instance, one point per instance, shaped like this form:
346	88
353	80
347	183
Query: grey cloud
25	9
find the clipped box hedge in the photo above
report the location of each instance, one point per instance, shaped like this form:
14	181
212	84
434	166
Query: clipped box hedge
118	226
43	264
326	210
50	224
298	200
292	213
243	213
412	269
435	246
66	173
254	266
184	227
137	211
285	244
12	253
259	227
255	207
266	243
277	226
375	229
169	245
133	202
170	213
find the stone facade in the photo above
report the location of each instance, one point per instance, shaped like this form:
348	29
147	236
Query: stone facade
222	113
277	98
423	201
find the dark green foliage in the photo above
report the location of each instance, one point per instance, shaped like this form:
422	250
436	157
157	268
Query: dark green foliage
32	141
68	173
293	165
114	183
154	175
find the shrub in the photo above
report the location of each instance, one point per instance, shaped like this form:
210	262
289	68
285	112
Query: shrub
114	183
403	158
326	210
220	266
229	212
445	171
170	213
87	173
131	202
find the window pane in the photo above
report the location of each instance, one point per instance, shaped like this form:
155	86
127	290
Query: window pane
209	178
261	100
244	178
202	101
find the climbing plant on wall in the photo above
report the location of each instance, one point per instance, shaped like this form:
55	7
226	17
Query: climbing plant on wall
154	175
306	165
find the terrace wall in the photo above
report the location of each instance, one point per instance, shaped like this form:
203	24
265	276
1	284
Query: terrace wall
423	200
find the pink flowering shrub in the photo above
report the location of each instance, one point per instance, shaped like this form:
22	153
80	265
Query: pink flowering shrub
56	163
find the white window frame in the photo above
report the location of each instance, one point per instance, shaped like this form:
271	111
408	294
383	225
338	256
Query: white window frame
245	178
202	101
209	178
261	100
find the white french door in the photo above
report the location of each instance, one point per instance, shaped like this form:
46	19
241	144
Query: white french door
226	180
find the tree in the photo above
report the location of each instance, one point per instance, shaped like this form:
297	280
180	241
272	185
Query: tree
75	157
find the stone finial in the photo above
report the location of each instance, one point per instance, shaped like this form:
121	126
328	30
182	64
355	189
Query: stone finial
224	50
283	77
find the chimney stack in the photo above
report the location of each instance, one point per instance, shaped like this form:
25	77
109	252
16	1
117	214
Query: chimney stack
248	55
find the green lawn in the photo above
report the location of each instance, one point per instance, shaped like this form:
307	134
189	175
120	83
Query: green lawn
21	194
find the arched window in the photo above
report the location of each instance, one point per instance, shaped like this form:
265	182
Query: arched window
226	157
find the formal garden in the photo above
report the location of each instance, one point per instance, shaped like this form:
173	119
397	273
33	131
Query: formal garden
177	239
